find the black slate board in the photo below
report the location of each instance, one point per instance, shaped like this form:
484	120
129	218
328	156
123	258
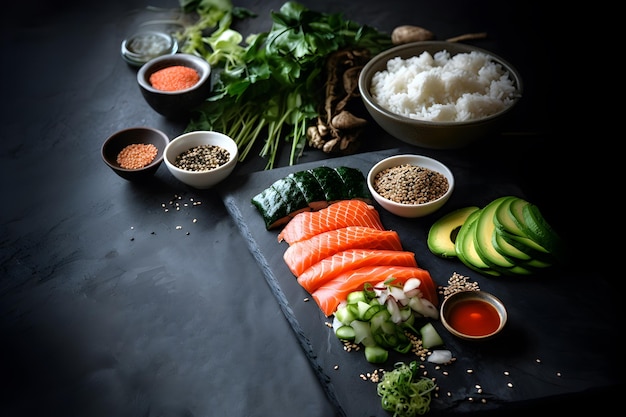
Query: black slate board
538	356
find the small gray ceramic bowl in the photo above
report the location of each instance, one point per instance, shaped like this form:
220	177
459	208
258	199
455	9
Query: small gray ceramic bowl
432	134
175	104
114	144
201	179
473	315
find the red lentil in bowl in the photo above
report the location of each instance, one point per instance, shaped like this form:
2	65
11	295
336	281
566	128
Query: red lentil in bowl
134	153
169	85
174	78
410	185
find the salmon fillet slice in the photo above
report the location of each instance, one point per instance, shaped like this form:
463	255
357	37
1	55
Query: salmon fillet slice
301	255
328	268
341	214
330	295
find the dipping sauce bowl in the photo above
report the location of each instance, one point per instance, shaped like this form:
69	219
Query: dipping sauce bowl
473	315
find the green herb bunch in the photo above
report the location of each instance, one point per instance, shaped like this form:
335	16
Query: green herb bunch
273	83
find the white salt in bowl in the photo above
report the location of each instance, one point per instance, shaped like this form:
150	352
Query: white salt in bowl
404	209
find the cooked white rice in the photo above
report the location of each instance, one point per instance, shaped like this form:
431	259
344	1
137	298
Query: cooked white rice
463	87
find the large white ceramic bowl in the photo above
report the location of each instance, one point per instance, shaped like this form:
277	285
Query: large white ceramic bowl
200	179
410	210
433	134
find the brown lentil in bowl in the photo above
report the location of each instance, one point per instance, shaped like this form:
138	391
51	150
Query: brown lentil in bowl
410	184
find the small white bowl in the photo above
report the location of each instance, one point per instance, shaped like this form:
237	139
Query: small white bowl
200	179
473	315
410	210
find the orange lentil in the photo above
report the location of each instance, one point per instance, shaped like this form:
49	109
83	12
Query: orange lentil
177	77
137	155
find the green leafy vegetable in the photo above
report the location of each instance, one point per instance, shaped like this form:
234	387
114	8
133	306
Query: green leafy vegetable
403	392
272	85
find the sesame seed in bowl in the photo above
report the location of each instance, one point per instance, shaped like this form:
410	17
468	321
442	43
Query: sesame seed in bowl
410	185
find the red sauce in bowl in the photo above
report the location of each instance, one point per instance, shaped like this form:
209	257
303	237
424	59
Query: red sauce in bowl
474	317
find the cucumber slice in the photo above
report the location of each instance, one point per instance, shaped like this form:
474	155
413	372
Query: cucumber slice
376	354
356	296
430	337
346	333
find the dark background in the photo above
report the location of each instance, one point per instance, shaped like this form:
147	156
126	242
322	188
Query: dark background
106	309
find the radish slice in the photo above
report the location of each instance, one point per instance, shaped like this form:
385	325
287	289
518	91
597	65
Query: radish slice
440	356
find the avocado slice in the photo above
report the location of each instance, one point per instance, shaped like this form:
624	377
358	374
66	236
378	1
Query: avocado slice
485	227
466	250
443	233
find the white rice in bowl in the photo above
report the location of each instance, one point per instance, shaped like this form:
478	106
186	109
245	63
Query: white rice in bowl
444	88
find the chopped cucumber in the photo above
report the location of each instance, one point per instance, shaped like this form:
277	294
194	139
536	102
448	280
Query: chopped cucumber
356	296
376	354
346	332
430	337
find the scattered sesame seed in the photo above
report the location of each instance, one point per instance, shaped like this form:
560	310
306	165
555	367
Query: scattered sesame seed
506	373
558	374
470	371
195	220
538	360
179	227
483	400
336	366
510	385
456	283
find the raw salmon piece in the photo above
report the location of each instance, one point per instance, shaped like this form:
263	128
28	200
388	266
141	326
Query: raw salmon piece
343	213
328	268
305	253
330	295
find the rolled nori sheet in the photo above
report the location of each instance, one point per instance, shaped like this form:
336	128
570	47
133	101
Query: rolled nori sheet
355	183
273	209
291	194
310	188
330	182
